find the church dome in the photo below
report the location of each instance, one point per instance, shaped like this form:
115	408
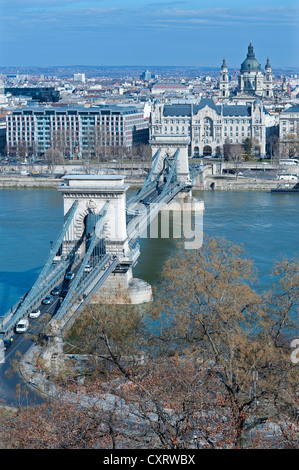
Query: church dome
250	64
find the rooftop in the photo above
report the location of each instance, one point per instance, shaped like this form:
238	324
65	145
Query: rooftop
293	109
189	109
81	109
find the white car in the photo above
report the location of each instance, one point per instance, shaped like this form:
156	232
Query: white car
22	326
288	177
34	314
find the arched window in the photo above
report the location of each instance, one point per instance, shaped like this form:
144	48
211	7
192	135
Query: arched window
208	127
207	151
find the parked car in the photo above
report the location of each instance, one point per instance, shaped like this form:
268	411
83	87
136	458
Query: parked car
69	275
55	291
34	314
288	177
48	300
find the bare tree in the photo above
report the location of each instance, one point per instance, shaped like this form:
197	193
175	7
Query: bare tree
216	316
53	157
233	153
206	365
289	145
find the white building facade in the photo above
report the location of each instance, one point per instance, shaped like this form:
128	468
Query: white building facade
289	132
289	122
208	125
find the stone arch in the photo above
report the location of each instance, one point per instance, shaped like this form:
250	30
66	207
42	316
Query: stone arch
207	151
80	219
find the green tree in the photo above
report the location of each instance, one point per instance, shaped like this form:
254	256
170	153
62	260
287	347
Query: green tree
251	148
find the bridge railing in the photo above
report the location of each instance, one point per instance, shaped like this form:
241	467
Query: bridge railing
9	321
90	285
78	288
49	262
99	228
139	223
48	275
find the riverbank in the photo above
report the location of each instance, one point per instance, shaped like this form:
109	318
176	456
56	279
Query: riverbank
216	183
21	182
222	183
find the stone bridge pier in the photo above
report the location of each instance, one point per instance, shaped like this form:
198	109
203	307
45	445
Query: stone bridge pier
92	192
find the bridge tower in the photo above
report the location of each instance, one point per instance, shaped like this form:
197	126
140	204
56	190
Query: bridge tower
168	145
92	193
173	150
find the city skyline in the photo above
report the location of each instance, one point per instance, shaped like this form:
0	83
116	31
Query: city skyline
147	32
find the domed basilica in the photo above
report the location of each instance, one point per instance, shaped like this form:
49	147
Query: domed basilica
251	80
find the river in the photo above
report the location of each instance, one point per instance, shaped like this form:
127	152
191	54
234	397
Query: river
266	224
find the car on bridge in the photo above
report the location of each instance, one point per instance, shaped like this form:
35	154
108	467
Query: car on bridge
63	293
56	290
34	314
146	202
48	300
69	275
22	326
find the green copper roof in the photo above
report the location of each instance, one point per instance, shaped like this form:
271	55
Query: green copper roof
250	64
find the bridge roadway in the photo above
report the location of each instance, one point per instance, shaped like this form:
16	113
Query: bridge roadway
21	343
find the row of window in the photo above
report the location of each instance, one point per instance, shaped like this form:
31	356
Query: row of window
198	121
93	119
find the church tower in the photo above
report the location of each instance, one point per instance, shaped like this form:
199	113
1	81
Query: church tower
224	81
268	87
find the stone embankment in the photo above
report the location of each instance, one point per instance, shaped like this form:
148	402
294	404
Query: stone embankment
28	182
208	182
219	183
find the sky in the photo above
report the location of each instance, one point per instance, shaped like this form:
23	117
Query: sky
148	32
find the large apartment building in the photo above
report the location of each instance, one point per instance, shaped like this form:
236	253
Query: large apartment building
68	128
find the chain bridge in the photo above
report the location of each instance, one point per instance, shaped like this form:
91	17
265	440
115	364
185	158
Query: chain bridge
98	244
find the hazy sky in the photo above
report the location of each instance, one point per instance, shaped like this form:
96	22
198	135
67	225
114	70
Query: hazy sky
147	32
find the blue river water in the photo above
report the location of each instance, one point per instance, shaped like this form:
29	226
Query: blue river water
266	224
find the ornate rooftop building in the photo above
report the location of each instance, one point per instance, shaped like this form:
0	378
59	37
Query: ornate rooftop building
251	82
209	125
